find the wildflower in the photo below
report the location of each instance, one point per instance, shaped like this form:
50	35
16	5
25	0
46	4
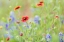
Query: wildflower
60	34
37	19
48	37
61	37
17	7
12	16
6	26
24	18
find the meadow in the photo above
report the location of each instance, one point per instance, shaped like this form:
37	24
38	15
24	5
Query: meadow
31	20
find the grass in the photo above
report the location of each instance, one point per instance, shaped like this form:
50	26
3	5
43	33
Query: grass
46	13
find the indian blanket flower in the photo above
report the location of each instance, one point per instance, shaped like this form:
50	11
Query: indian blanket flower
48	38
17	7
37	19
24	18
61	37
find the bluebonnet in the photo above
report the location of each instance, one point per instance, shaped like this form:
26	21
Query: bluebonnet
61	37
37	19
12	16
48	38
6	26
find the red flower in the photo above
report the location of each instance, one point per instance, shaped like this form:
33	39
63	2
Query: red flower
24	18
7	39
16	8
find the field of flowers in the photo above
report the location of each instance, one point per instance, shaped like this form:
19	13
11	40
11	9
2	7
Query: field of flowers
31	20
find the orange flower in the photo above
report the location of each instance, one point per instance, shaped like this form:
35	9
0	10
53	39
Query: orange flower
16	8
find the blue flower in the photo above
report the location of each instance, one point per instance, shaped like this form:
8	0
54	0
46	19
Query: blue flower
60	34
61	37
48	37
37	19
12	16
6	26
61	40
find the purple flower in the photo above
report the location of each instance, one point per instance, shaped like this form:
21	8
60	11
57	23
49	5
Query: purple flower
12	16
37	19
60	34
61	40
48	37
6	26
61	37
